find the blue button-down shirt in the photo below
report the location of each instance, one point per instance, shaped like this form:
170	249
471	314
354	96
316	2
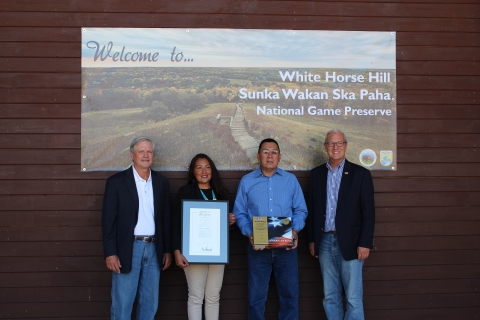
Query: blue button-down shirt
333	185
277	196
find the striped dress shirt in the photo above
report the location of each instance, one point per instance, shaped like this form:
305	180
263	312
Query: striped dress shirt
333	185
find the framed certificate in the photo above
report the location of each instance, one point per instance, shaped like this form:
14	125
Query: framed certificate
205	230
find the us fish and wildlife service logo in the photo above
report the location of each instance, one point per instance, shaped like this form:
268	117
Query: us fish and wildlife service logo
367	157
386	157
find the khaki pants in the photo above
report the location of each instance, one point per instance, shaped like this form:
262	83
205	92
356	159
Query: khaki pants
204	281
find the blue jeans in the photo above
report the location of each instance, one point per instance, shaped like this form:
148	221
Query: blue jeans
142	283
285	267
337	272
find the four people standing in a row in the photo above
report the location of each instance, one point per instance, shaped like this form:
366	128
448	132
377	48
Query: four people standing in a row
136	231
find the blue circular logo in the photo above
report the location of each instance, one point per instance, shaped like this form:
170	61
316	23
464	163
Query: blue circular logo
367	157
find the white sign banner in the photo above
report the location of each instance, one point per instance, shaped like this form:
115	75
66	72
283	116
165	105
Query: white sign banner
221	91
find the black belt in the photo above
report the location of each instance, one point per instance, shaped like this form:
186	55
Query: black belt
332	232
145	238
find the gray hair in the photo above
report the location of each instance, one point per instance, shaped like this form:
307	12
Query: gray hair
335	131
137	140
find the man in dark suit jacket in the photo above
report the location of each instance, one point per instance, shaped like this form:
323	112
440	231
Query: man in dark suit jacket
136	233
340	224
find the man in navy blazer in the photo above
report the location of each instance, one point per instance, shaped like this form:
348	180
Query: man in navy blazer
136	233
340	224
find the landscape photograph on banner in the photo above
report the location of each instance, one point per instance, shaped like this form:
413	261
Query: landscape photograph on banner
222	91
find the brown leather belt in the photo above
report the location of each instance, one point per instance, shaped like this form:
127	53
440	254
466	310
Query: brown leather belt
332	232
145	238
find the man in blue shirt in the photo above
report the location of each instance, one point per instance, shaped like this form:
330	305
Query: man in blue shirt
340	227
271	191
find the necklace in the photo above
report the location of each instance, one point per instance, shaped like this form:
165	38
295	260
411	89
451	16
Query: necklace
205	197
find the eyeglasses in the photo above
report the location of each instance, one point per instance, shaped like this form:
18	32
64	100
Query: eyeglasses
338	143
272	152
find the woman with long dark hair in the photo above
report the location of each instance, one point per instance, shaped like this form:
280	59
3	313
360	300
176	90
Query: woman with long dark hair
204	280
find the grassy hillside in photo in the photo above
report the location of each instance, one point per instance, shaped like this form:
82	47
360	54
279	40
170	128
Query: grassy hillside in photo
216	111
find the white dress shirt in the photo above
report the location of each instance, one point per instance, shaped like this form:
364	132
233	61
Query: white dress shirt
146	223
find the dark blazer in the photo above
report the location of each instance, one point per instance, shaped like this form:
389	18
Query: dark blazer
187	192
355	216
120	216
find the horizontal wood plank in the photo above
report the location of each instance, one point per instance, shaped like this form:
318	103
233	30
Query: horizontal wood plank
435	213
52	249
424	184
65	34
97	294
40	126
16	64
435	272
248	21
426	199
93	202
72	141
421	314
431	112
441	140
436	82
55	310
72	157
175	278
34	95
40	111
300	8
432	155
436	53
10	171
56	279
428	228
375	269
50	218
83	248
40	80
53	186
435	97
442	39
54	34
452	286
62	159
39	141
79	218
426	243
58	294
39	49
447	68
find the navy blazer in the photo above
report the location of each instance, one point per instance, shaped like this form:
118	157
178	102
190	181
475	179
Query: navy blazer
120	216
355	216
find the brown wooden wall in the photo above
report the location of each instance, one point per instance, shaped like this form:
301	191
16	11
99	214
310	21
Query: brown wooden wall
426	260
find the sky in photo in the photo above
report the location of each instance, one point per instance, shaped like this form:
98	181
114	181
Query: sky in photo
247	48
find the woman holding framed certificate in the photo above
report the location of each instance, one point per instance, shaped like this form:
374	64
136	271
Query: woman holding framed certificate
204	280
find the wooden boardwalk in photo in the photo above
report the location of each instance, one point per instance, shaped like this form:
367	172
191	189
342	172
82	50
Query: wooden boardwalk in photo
240	134
249	144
